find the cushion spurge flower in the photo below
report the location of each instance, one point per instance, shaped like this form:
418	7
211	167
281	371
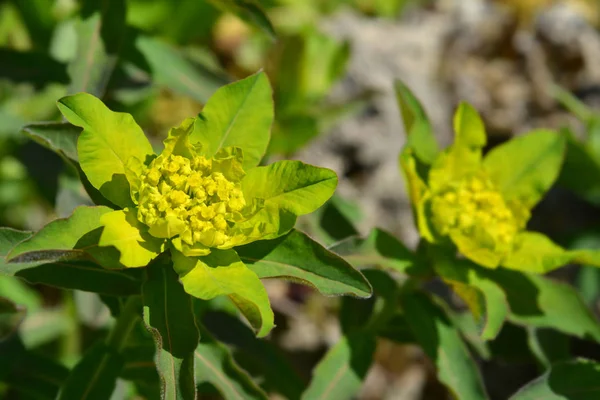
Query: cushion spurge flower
479	204
202	196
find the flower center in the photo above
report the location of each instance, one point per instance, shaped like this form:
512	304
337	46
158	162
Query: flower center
188	197
474	207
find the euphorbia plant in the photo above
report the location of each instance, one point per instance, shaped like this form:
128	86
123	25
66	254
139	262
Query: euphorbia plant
202	216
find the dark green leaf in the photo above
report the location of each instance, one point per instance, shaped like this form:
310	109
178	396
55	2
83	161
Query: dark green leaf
59	137
379	249
580	170
572	380
441	341
297	257
341	373
39	19
99	34
548	346
95	376
11	316
215	364
169	316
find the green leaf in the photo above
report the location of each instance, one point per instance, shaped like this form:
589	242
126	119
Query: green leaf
290	185
57	136
535	252
464	156
169	316
342	371
378	249
548	345
485	299
248	10
260	357
215	364
420	136
223	273
95	376
524	168
540	302
572	380
238	115
580	170
441	341
297	257
179	74
11	316
39	20
99	32
127	234
108	140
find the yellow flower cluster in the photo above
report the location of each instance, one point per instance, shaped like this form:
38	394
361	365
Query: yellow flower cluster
190	198
475	208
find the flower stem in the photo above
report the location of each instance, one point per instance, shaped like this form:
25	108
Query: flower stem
130	312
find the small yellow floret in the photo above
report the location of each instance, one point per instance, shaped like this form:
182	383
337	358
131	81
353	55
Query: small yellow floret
475	208
191	192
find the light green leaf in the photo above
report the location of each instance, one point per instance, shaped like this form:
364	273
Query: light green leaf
237	115
179	74
95	376
524	168
107	141
443	344
540	302
123	231
57	136
248	10
378	249
420	137
341	373
464	155
223	273
485	299
297	257
215	364
58	239
169	316
99	32
568	380
535	252
290	185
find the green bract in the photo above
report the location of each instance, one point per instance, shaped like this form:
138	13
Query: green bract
203	195
480	204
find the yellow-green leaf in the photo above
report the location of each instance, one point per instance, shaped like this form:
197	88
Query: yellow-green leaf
123	231
107	141
223	273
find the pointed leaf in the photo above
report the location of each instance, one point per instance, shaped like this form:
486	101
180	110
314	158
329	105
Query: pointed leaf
341	373
540	302
95	376
215	364
441	341
223	273
123	231
297	257
290	185
238	115
107	141
524	168
99	31
169	316
57	136
464	156
378	249
59	237
420	137
573	380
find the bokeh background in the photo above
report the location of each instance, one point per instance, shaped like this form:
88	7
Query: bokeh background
524	64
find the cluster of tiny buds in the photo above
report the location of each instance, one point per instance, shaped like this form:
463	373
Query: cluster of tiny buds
476	208
188	192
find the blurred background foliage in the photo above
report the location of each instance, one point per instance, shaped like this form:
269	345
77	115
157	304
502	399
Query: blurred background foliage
332	63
